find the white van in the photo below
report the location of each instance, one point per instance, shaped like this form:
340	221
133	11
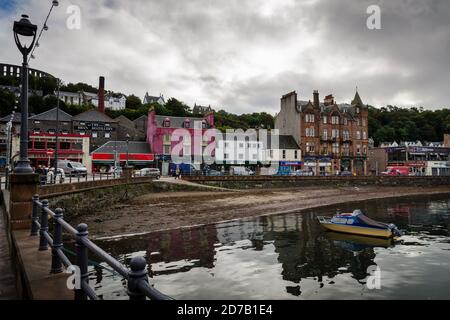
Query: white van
72	168
242	171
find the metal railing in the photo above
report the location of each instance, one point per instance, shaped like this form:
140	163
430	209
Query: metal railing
46	179
138	284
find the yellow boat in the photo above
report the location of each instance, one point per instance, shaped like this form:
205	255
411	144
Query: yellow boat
359	224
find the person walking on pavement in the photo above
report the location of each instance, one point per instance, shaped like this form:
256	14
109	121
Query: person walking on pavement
177	172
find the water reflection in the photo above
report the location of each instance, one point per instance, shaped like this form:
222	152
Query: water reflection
289	256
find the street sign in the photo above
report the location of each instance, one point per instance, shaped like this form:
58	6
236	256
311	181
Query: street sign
50	152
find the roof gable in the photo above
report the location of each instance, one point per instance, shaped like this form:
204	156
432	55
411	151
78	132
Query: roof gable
50	115
93	115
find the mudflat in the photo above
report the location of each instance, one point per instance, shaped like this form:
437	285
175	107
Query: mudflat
159	211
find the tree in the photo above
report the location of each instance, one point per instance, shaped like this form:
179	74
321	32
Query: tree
177	108
133	102
7	102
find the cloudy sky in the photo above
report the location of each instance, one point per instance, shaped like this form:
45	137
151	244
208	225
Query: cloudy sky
242	55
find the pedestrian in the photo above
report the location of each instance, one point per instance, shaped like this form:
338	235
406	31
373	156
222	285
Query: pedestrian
177	172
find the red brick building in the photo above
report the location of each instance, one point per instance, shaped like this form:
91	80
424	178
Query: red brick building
333	137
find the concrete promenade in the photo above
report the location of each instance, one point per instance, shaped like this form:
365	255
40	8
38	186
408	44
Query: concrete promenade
7	278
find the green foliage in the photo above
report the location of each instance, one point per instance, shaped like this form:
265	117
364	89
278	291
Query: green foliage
392	123
225	120
177	108
80	86
133	102
7	102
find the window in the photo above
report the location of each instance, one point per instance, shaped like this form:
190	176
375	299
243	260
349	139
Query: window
64	145
358	122
296	154
226	144
107	135
204	124
364	135
225	155
36	122
51	131
271	153
335	133
241	145
166	149
82	133
166	139
310	132
325	119
364	122
166	123
309	117
335	120
346	135
364	150
241	156
310	147
358	149
358	135
36	130
284	154
346	149
187	123
357	110
336	148
345	121
325	134
254	156
94	134
65	123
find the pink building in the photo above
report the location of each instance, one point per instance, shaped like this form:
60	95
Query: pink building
160	129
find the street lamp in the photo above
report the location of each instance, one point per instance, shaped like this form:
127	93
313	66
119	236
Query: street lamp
24	28
128	141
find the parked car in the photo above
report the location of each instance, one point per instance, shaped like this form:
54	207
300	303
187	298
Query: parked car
396	171
186	169
243	171
72	168
303	173
148	172
213	173
345	174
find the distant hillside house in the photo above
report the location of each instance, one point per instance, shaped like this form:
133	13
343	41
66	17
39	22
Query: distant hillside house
201	110
115	103
153	99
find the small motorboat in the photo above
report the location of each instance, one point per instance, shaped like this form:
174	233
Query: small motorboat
359	224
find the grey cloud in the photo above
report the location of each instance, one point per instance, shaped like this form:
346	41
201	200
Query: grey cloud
242	55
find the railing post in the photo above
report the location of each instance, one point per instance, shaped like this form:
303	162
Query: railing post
43	243
34	216
137	274
57	242
82	260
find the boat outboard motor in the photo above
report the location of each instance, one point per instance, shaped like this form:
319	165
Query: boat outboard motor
395	230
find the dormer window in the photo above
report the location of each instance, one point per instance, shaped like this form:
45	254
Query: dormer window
166	123
204	124
187	123
357	110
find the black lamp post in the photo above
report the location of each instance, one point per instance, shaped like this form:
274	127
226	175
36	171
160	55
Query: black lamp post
24	28
128	141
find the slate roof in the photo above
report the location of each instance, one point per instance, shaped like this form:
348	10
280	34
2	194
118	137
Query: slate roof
50	115
176	122
286	142
16	119
93	115
125	121
121	147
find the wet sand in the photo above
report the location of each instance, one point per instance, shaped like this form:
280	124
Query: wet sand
158	211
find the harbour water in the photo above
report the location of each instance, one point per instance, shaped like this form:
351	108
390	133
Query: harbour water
292	257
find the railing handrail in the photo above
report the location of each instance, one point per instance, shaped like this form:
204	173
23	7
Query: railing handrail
138	285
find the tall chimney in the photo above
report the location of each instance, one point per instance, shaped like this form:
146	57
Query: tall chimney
316	99
101	95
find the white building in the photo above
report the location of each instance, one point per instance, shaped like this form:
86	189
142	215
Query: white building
153	99
115	103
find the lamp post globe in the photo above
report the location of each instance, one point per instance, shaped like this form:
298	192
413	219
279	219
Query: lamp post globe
24	28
